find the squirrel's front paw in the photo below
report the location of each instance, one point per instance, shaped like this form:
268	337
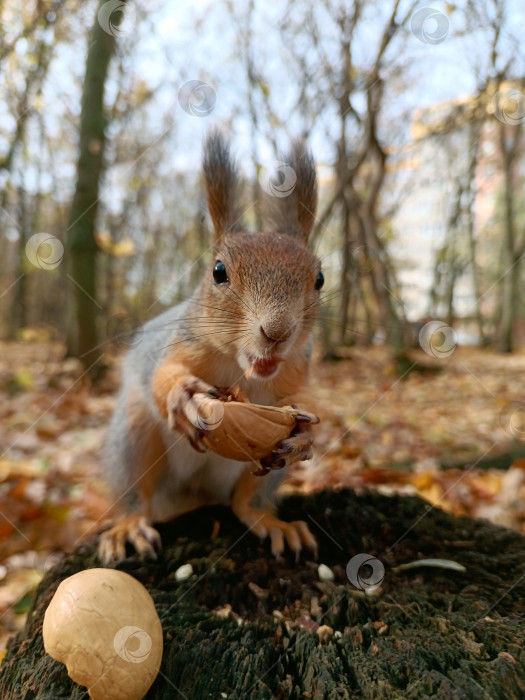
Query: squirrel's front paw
296	448
184	413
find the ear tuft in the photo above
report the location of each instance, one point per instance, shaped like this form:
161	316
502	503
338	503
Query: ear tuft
222	183
293	210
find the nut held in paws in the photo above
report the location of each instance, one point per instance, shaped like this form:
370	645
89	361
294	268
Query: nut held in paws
248	431
102	624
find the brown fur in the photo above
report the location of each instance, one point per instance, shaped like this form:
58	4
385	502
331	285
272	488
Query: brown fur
263	313
177	366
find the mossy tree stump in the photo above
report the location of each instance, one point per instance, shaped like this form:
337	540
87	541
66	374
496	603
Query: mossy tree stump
426	633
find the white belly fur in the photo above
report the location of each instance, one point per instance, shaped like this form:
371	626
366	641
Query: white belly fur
196	479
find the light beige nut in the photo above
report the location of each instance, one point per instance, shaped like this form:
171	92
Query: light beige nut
102	624
245	431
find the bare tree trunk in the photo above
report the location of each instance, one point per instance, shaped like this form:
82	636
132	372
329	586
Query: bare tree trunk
23	112
82	333
361	161
367	335
345	272
390	320
254	119
18	316
451	288
512	256
474	134
347	26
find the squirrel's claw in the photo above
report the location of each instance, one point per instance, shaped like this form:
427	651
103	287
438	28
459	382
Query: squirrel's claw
296	534
216	393
196	441
296	448
134	529
183	413
305	417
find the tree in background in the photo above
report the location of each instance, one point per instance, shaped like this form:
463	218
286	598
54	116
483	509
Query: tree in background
25	56
351	86
500	81
82	334
343	75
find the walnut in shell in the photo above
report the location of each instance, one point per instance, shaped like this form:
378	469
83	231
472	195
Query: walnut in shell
102	624
243	431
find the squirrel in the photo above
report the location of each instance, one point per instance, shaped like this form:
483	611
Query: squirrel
248	325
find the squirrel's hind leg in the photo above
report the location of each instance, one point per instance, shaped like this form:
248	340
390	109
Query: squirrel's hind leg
264	524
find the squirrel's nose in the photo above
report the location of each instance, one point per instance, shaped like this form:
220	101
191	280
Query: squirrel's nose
276	333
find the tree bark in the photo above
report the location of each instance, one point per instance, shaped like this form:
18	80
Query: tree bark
18	315
425	633
82	336
346	273
512	256
474	136
22	113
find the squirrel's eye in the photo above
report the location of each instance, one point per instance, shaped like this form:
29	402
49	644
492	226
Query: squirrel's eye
219	273
319	281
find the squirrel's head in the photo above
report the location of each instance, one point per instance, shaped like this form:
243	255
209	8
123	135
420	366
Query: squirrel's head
261	289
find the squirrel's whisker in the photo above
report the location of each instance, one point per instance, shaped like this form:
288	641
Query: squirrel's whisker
243	303
225	311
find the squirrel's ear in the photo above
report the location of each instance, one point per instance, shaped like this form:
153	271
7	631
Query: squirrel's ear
291	205
220	174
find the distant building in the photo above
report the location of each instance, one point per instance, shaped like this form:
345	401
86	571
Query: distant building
430	194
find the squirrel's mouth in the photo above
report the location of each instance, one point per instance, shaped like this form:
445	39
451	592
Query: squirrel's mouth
262	366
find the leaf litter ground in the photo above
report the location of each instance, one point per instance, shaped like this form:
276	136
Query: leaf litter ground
432	434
